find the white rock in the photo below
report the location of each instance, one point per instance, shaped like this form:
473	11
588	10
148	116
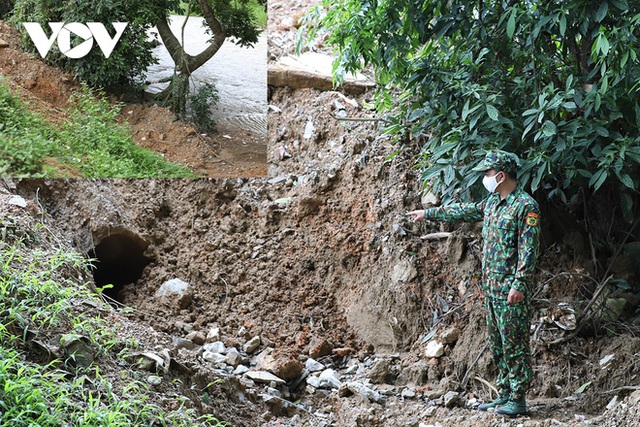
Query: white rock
408	393
215	347
214	357
403	272
612	404
241	369
172	288
264	377
154	380
312	365
213	335
251	345
430	411
604	362
314	381
330	378
451	399
309	128
233	357
17	201
434	349
429	199
365	392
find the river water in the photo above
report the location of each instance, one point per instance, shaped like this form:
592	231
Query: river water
239	74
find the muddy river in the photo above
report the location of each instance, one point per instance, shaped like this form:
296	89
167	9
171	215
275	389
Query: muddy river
239	74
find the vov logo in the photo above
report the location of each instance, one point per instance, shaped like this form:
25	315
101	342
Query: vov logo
62	32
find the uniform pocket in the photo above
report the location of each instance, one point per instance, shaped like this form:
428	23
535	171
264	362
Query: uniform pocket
507	231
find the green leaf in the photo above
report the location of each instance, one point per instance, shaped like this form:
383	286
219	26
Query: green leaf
492	112
626	180
604	44
582	388
601	12
563	24
511	24
465	111
549	128
569	81
597	179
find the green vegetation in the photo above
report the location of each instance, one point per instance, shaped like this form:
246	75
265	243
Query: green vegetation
91	142
554	81
201	102
42	301
133	52
259	10
257	7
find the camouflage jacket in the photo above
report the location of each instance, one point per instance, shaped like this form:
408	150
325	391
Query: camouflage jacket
511	235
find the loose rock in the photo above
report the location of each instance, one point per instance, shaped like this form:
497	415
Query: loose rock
251	345
264	377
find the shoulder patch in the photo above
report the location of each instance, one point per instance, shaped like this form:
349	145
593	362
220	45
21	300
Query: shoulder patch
532	219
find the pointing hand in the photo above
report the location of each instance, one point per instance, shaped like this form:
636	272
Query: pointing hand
416	215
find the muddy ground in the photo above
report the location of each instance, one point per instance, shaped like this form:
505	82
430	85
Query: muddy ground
47	90
319	261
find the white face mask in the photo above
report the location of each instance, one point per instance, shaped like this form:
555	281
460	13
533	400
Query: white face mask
491	183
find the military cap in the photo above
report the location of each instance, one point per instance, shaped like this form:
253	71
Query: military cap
500	161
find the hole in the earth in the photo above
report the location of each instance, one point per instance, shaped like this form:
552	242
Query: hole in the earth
119	261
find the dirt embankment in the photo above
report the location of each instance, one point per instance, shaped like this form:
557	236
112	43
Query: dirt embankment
319	262
47	90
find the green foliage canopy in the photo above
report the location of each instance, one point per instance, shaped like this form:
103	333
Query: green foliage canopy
132	55
554	81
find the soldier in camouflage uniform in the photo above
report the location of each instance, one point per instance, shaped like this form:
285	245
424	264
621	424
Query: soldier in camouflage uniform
511	235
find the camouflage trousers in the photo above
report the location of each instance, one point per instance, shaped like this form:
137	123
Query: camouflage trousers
508	326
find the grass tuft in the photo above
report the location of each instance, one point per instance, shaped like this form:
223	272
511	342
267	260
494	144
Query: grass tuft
91	142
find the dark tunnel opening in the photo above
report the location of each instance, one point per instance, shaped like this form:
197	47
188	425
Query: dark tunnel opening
119	261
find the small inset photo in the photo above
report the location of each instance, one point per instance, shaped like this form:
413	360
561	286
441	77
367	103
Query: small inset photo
167	89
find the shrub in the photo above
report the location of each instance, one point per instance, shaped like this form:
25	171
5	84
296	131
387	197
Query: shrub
201	103
554	81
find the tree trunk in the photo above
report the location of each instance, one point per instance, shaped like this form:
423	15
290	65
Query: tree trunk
190	63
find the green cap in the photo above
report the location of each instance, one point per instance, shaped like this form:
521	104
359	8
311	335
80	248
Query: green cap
500	161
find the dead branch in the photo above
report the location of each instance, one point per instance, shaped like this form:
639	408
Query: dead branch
358	119
436	236
464	378
485	382
623	388
585	315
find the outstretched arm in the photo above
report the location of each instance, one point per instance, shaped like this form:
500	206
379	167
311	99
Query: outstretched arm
455	212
